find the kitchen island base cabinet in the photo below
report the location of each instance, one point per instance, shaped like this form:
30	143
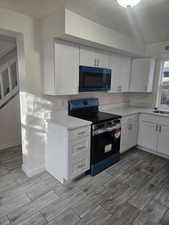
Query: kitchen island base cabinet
67	154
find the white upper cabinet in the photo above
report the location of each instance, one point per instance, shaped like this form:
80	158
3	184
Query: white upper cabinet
142	75
93	57
120	66
66	68
102	59
87	57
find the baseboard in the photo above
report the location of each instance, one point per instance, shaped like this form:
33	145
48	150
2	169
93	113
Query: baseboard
33	171
153	152
9	145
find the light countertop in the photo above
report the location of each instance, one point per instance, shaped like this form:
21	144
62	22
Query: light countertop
130	110
126	110
63	119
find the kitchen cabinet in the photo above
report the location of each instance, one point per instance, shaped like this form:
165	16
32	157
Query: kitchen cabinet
67	152
66	75
163	142
120	66
154	134
148	135
93	57
129	132
142	75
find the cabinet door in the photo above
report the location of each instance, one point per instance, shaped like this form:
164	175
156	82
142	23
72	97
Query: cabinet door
66	68
102	59
132	126
120	66
142	74
148	135
129	133
87	56
163	141
124	138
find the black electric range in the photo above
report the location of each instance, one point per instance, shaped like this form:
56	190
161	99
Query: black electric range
105	133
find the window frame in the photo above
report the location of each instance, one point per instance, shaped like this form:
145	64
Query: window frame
12	92
160	87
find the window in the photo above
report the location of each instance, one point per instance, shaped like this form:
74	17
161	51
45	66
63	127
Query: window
13	74
5	81
8	81
163	96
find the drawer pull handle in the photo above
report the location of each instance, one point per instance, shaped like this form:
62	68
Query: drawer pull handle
81	133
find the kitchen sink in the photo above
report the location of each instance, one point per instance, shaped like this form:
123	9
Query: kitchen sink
161	112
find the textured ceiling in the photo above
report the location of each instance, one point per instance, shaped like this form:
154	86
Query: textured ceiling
148	21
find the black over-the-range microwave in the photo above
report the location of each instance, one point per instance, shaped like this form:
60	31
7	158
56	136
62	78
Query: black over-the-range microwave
94	79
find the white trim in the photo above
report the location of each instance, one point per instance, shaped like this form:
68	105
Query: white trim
13	91
33	171
160	87
10	145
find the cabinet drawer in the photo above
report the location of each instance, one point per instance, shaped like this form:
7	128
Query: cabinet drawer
79	168
80	133
148	118
80	163
81	145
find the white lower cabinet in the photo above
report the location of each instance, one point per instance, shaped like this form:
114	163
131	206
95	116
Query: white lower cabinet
163	141
148	135
154	134
129	132
67	152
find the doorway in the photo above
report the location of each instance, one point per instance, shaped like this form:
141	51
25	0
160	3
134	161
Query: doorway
10	120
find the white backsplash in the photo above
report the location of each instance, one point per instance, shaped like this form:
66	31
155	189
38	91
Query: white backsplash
61	102
140	99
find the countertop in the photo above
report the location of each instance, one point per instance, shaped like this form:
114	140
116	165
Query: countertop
63	119
127	110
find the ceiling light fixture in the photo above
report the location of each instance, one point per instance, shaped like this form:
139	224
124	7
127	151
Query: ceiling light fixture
128	3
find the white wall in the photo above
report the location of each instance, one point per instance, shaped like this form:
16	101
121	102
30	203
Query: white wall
88	31
158	49
10	134
33	140
34	105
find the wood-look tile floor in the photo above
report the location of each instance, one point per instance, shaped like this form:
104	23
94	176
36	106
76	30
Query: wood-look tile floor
133	192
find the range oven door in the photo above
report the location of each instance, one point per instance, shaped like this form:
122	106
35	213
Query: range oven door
105	144
94	79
